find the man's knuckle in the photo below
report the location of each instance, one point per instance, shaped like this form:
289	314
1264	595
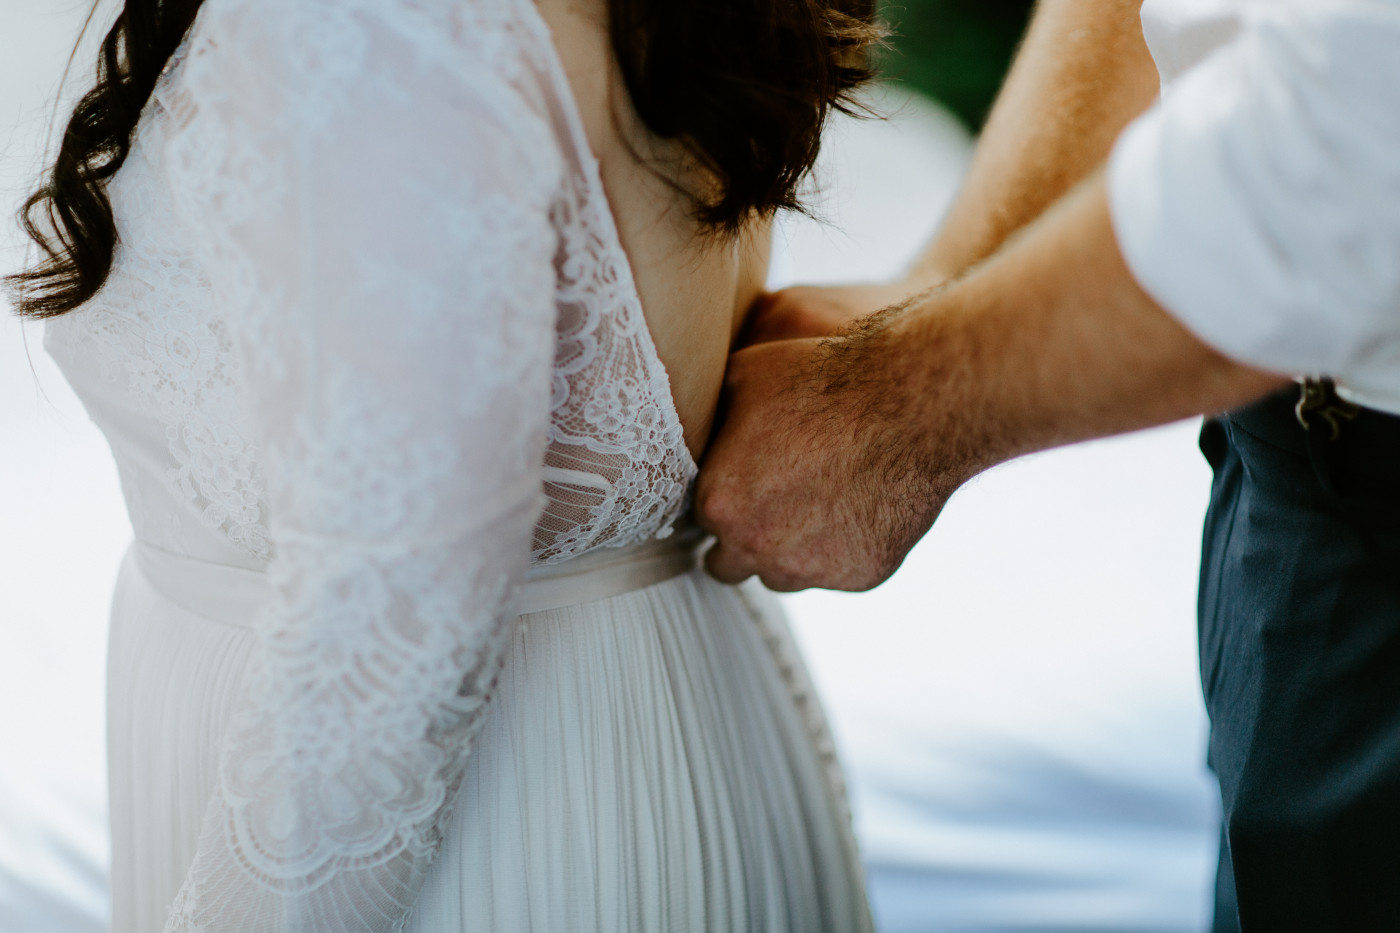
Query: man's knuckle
865	582
795	571
712	504
781	582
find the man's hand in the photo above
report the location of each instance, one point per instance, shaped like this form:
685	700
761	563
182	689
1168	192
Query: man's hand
835	456
812	482
816	311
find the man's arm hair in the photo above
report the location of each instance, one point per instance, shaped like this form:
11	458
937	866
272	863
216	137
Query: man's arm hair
1082	74
837	455
1049	342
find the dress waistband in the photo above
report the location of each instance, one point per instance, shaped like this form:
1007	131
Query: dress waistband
233	595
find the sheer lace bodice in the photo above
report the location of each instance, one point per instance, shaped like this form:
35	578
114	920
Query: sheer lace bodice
370	328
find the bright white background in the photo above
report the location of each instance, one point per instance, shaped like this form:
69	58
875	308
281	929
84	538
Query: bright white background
1018	709
62	528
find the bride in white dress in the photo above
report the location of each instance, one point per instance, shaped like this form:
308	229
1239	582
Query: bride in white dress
412	634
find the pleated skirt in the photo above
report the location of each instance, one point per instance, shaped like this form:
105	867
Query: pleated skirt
654	761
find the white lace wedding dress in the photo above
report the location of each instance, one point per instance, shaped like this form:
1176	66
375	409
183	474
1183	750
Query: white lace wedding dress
406	639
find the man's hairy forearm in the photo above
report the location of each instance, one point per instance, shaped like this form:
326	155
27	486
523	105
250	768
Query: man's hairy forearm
1050	342
837	455
1083	73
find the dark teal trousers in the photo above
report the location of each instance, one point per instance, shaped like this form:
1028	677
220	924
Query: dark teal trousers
1300	664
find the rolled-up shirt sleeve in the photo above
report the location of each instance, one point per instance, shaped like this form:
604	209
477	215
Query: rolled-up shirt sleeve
1259	200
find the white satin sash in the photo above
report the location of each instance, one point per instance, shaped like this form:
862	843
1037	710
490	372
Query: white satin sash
233	595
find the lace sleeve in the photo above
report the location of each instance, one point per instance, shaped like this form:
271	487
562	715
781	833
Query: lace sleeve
375	199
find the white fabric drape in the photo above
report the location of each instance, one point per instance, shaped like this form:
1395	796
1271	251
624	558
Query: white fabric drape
1259	202
398	317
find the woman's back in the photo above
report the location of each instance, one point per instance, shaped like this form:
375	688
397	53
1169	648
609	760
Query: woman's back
695	284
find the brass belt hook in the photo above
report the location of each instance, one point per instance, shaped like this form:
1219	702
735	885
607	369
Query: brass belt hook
1319	397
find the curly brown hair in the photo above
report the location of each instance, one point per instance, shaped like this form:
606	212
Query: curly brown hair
743	86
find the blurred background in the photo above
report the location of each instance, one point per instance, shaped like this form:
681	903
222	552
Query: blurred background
1018	708
954	51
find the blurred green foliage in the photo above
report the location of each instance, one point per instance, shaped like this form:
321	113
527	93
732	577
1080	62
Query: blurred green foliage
956	51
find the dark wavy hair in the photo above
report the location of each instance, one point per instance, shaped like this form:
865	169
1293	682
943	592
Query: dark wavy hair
743	86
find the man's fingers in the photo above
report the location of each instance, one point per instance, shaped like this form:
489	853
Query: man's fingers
815	311
783	584
725	562
727	565
765	323
795	314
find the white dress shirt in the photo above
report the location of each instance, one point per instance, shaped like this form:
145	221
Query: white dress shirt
1259	200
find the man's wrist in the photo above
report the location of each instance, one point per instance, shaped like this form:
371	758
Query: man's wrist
905	382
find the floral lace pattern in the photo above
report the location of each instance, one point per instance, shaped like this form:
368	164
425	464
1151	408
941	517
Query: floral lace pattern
617	470
395	337
142	335
612	415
